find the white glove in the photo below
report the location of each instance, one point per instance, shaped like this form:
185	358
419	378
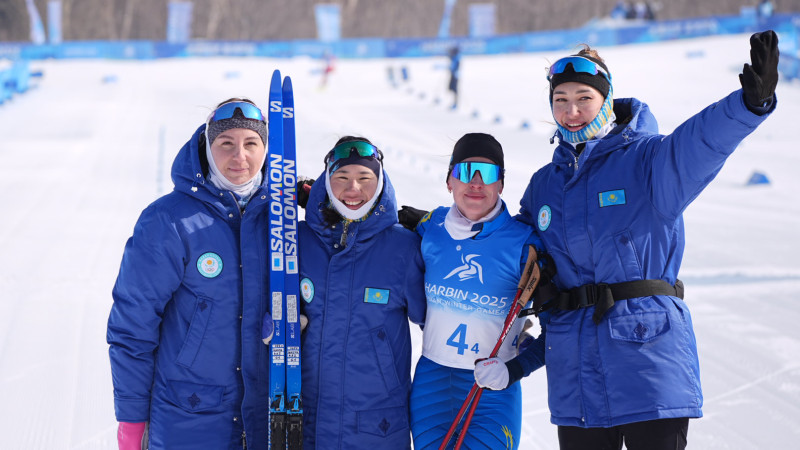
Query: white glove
267	328
303	322
491	374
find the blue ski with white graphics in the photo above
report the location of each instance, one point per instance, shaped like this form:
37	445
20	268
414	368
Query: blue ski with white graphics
277	366
286	412
294	418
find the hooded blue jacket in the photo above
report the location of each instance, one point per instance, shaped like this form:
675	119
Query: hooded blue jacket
614	214
184	330
356	349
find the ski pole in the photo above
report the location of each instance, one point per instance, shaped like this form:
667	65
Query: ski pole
527	283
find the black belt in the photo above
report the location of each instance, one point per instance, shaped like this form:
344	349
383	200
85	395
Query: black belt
602	296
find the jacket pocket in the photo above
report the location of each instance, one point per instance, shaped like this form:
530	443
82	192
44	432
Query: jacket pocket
385	358
197	329
628	257
384	421
193	397
639	327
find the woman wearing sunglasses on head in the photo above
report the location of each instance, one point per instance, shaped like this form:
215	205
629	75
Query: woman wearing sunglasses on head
622	361
361	280
185	327
474	253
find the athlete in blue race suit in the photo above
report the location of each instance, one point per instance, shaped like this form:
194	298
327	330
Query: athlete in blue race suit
621	354
474	252
361	282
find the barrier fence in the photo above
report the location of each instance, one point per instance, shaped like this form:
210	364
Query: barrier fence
599	33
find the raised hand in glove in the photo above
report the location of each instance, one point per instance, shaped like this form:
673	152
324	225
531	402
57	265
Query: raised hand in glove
303	188
491	374
409	216
761	76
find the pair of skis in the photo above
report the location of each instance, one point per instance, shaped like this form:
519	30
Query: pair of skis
286	411
527	284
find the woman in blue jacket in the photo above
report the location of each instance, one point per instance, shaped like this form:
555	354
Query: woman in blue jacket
184	330
361	281
621	354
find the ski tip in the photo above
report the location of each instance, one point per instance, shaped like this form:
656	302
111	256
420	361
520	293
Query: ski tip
276	77
287	83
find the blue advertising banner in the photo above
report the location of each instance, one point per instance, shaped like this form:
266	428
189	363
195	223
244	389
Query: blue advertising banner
595	34
54	22
37	28
329	22
444	25
179	22
482	19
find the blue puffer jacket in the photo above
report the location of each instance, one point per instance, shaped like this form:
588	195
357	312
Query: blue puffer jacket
614	214
184	331
356	350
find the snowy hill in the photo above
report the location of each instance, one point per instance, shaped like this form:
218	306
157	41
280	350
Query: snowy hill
86	151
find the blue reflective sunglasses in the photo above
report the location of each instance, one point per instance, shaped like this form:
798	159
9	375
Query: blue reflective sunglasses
345	149
465	172
227	110
579	64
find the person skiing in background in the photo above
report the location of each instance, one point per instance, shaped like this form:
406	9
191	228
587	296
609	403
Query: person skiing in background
474	254
329	65
361	280
621	354
184	331
455	66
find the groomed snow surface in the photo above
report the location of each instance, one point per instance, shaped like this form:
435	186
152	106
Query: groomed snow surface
91	145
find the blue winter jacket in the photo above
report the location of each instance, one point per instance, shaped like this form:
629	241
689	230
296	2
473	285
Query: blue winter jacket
184	331
614	214
356	349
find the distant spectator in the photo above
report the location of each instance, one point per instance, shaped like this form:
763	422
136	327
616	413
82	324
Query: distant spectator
620	11
649	11
630	11
455	64
329	62
640	10
765	10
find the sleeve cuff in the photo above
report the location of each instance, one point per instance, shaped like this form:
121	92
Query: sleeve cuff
515	371
132	410
763	109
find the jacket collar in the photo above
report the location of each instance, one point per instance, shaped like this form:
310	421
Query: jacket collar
634	120
382	216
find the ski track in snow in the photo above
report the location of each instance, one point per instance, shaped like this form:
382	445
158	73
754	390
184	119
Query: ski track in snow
81	158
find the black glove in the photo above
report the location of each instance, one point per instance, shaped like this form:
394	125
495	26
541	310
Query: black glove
303	188
409	217
759	79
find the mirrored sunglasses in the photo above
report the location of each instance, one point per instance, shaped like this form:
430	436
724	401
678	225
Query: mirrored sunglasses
579	64
465	172
346	149
227	111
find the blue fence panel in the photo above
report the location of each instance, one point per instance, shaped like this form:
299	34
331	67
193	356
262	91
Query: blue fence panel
5	91
598	33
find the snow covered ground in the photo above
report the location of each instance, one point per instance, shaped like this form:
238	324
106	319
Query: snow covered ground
83	153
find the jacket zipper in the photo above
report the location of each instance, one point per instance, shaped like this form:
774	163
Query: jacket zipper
343	237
